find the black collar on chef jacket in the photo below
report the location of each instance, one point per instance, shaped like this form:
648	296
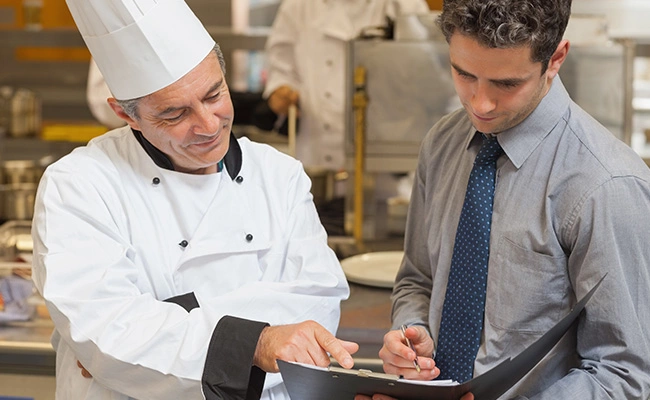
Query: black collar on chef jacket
233	158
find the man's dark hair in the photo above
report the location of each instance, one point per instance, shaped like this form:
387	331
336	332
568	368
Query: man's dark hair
539	24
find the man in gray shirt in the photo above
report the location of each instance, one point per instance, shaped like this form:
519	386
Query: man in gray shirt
571	204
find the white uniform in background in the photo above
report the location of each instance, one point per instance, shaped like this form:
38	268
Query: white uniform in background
246	242
307	51
96	94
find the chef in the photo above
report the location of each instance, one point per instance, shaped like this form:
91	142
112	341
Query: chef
176	261
306	53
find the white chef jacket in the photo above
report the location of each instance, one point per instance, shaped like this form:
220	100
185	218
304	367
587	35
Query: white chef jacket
307	51
115	234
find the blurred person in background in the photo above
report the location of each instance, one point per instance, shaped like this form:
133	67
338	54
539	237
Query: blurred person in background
306	62
97	94
306	54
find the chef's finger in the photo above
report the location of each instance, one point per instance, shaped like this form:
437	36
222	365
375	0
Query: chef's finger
84	371
334	346
351	347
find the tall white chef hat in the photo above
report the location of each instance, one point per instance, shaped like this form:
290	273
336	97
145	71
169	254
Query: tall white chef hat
141	46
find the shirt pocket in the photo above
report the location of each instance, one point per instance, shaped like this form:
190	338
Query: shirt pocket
527	291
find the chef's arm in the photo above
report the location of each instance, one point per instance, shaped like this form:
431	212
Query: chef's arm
610	235
187	301
229	372
234	339
241	340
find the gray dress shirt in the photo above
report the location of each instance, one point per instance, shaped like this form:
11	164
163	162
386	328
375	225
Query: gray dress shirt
572	203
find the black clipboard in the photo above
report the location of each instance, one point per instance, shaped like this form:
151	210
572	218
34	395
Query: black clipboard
313	383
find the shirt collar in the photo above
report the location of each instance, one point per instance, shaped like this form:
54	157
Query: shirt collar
520	141
232	160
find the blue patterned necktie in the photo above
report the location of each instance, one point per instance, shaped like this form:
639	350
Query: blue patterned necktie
462	313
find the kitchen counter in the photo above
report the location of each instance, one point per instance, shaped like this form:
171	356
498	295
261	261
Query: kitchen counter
365	317
25	348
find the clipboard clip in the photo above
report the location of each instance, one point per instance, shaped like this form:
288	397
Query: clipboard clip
363	373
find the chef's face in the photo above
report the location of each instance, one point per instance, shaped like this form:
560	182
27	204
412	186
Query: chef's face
499	88
190	120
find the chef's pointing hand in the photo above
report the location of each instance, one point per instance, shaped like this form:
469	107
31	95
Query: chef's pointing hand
307	342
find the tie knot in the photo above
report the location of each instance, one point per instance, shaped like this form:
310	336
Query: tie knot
490	151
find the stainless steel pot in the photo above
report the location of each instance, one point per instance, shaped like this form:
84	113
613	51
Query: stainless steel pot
20	171
25	113
18	182
17	201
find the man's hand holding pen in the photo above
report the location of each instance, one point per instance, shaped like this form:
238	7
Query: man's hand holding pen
409	344
402	348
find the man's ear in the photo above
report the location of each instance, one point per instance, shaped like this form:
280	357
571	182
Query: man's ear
119	111
557	59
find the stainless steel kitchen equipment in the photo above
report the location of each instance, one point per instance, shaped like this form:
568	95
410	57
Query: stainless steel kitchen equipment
18	183
6	93
20	171
409	88
17	201
15	238
25	113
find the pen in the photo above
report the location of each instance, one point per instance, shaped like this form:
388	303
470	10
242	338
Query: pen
409	344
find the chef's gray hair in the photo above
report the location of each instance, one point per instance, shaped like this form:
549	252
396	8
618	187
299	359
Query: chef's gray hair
539	24
130	106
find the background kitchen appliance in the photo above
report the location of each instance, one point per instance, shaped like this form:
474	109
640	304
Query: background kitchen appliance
18	182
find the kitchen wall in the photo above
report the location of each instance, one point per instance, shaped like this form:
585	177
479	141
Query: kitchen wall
53	61
627	18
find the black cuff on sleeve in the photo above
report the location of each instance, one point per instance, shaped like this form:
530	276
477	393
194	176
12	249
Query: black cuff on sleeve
229	372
